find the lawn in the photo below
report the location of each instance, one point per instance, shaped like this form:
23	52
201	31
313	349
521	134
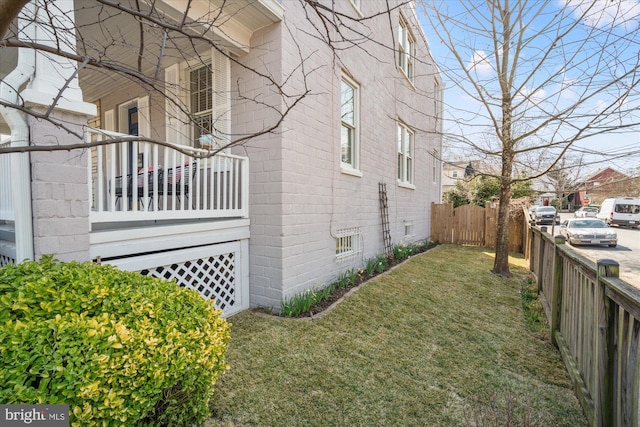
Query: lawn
437	341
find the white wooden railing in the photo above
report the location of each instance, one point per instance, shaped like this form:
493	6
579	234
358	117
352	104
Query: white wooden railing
133	181
6	194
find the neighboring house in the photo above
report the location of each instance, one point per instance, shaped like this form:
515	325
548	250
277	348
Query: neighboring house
257	224
545	191
455	171
603	184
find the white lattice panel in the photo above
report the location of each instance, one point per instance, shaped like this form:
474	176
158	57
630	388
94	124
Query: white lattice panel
217	272
4	260
213	277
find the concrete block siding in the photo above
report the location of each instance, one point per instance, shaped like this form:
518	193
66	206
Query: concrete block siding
299	196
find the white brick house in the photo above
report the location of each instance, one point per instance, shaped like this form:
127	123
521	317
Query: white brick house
279	214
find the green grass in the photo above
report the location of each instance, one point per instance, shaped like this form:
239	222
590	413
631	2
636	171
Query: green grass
439	341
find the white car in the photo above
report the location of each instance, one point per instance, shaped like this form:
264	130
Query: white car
586	212
588	231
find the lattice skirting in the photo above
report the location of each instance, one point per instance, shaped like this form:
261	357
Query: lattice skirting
214	271
4	260
213	277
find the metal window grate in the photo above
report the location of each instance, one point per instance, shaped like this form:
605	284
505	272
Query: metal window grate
348	243
5	260
214	277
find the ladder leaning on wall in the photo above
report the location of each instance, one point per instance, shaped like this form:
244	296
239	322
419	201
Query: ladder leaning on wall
384	212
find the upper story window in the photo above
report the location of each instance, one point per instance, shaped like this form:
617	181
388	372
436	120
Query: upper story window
406	49
405	154
349	118
454	174
201	102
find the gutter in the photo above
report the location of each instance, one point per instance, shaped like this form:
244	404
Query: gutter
17	122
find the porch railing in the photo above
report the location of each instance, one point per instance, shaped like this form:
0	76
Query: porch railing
6	193
133	181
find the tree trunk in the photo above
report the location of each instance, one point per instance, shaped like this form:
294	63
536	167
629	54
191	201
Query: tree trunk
501	263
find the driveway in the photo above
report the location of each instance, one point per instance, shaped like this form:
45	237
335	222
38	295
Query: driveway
627	253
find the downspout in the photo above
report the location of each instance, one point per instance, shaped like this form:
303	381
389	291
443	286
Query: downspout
17	121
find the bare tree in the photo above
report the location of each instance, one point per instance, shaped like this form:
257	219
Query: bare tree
547	78
132	43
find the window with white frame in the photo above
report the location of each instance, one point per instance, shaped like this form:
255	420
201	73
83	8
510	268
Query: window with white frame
406	49
348	243
408	228
197	102
201	102
349	117
405	154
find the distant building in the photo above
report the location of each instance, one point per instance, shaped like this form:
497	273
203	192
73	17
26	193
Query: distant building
606	182
455	171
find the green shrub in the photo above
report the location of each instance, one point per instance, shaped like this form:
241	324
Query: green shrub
119	348
302	302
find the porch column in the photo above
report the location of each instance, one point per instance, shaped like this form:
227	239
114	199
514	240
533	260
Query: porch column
59	179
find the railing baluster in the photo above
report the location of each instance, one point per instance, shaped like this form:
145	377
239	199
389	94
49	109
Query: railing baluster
210	187
205	183
99	196
218	179
156	164
165	179
225	184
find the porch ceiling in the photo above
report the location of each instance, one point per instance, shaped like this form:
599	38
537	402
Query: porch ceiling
117	37
114	37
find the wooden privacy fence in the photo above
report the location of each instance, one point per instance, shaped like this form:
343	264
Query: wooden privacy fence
594	318
474	225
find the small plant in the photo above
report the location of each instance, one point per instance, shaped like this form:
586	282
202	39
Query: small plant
532	307
301	303
298	303
352	275
370	266
342	281
400	252
381	263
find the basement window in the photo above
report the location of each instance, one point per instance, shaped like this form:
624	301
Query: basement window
348	243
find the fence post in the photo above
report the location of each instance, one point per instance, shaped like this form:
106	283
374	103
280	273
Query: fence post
604	368
555	301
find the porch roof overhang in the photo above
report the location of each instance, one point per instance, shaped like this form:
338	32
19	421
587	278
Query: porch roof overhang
235	21
228	24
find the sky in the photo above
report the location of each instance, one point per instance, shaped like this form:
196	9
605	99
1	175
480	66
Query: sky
601	44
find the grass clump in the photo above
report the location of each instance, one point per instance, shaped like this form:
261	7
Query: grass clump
423	345
533	310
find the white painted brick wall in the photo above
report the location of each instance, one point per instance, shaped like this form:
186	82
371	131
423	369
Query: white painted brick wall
299	198
60	200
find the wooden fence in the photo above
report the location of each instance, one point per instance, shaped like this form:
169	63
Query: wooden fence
473	225
594	320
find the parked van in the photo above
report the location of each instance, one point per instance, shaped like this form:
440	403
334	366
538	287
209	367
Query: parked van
621	211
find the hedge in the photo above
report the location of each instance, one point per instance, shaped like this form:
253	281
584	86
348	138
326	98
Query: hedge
118	347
